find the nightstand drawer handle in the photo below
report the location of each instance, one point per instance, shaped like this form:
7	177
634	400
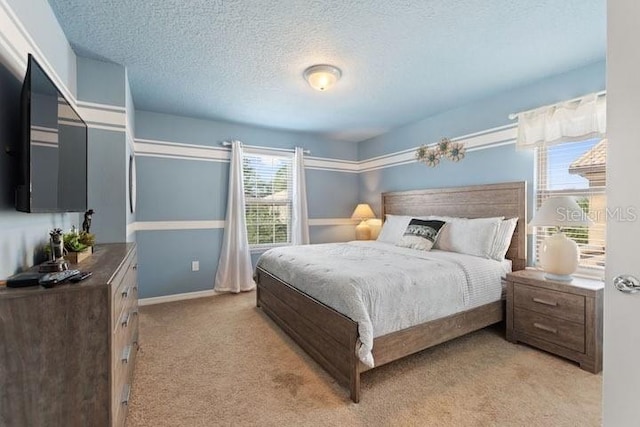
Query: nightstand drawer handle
545	302
545	328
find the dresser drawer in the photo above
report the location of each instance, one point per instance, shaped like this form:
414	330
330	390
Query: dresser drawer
558	331
126	293
124	350
121	404
551	303
129	263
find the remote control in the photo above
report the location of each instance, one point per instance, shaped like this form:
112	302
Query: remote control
49	280
80	277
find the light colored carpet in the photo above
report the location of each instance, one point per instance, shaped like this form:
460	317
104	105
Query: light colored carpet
221	361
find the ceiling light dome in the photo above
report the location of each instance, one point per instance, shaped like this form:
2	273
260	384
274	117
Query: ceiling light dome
322	77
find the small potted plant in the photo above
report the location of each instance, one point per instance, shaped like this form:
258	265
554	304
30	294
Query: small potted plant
78	245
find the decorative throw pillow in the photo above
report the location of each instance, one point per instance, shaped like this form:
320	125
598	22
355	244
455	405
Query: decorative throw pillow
421	234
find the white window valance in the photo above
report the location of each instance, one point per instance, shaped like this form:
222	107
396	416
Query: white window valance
568	121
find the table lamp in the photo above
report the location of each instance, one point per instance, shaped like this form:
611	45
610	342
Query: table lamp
559	255
363	212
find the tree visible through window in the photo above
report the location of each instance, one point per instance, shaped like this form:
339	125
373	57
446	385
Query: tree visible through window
268	198
577	169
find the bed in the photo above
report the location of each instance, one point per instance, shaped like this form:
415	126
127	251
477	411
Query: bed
333	339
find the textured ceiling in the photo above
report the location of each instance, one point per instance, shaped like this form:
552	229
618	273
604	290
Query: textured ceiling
401	60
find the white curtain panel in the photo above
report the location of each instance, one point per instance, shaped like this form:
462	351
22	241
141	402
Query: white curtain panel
300	215
564	122
235	273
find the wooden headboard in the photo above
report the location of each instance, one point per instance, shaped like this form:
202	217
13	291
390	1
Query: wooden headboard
478	201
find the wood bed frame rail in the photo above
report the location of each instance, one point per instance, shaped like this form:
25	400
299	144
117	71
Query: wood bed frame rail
330	337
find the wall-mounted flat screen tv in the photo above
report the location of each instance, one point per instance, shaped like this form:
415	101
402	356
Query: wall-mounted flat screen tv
52	150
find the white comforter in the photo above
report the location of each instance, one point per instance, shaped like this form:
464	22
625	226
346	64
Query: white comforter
385	288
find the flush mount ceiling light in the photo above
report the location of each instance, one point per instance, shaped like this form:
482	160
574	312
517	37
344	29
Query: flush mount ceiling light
322	77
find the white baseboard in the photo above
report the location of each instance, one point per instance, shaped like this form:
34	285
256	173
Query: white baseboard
177	297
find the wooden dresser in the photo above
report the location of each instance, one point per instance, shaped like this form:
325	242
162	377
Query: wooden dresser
564	318
67	354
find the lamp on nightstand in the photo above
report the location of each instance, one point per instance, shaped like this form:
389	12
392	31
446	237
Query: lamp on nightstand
559	255
363	212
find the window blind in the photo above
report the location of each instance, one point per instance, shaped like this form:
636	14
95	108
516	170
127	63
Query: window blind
576	169
268	197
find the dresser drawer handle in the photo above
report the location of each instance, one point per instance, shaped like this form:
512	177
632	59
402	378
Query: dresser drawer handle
126	354
126	393
545	302
545	328
125	320
125	292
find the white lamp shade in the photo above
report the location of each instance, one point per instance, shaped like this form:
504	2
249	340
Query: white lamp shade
363	211
562	211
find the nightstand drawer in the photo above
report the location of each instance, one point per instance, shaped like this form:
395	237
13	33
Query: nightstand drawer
551	303
560	332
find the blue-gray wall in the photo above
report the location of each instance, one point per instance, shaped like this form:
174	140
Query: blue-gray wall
171	189
22	236
484	166
489	112
106	83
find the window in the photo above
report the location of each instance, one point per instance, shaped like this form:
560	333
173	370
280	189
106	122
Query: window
268	197
577	169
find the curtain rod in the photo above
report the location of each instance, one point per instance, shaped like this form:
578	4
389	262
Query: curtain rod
287	150
514	116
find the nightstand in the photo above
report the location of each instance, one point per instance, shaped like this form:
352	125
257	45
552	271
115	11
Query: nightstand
563	318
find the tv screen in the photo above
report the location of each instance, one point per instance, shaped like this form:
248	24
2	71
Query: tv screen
53	153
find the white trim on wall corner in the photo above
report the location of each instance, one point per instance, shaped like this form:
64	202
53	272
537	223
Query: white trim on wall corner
178	297
336	165
317	222
218	224
489	138
175	150
105	107
98	116
174	225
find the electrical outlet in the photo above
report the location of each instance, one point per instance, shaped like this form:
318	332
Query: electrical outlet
195	265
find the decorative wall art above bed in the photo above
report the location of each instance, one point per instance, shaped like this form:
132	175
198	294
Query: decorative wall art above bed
445	148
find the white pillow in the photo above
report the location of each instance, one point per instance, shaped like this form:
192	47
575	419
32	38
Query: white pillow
468	236
393	228
503	239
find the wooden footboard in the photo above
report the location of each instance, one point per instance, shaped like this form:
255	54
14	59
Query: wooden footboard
326	335
330	337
